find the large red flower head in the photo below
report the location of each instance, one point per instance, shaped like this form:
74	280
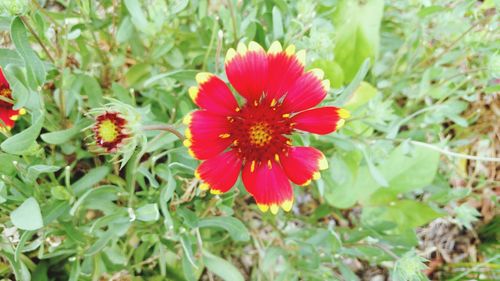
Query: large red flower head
8	115
279	99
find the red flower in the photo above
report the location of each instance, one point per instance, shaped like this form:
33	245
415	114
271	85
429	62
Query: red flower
279	99
110	131
8	115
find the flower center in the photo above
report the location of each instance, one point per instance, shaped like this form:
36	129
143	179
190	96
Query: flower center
258	131
108	131
260	134
5	96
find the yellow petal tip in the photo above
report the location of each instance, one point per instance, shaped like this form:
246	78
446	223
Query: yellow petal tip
263	208
203	77
290	50
255	47
275	48
241	48
301	57
287	205
231	53
274	209
215	191
204	186
193	93
323	163
344	113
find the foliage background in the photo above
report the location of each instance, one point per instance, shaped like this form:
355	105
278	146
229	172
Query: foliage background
412	189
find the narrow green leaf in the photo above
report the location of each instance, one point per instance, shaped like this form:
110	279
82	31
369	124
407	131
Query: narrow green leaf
63	136
221	267
21	142
90	179
235	227
277	23
34	66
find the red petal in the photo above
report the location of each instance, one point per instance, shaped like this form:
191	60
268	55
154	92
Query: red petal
8	117
213	95
302	164
322	120
247	70
220	172
3	81
284	70
206	134
307	92
269	185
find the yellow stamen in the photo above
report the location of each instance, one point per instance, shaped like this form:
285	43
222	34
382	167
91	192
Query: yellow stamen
286	115
108	131
224	136
276	157
269	164
252	167
273	102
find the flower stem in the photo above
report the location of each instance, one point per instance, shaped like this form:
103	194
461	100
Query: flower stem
24	19
164	127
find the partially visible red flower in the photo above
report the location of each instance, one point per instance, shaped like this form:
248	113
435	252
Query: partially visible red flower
110	131
8	115
279	99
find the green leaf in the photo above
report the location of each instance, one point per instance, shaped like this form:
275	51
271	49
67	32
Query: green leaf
35	171
90	179
138	18
63	136
8	56
21	142
358	33
93	90
148	212
221	267
178	5
235	227
333	71
34	66
277	23
27	216
405	214
361	96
